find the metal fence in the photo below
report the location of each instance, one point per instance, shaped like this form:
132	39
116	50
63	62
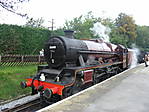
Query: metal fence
15	60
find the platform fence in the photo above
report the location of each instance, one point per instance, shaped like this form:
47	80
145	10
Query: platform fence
17	60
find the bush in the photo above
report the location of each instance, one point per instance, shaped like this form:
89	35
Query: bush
22	40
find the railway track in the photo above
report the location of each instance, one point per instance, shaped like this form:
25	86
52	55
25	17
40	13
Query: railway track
30	106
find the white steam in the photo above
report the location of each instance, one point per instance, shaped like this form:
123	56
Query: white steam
135	54
101	31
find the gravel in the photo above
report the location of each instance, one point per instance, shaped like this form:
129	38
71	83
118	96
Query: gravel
18	102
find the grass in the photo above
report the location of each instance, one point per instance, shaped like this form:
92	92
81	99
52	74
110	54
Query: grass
10	78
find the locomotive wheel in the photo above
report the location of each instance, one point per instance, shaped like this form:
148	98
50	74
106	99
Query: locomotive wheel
95	81
67	92
116	71
77	87
42	100
119	70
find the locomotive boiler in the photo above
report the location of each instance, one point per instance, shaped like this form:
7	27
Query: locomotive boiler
74	65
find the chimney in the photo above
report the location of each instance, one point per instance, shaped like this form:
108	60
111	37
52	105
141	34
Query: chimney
69	34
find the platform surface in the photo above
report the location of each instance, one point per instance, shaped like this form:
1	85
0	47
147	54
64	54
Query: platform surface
126	92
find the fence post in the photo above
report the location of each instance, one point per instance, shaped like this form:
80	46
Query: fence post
0	58
22	58
39	59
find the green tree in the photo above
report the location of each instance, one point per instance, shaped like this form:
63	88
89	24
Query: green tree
126	26
81	25
9	40
35	23
22	40
142	39
108	22
117	38
59	31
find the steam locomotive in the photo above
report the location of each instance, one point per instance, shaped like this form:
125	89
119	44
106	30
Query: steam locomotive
74	65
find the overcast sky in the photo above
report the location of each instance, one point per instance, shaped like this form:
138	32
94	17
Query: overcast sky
61	10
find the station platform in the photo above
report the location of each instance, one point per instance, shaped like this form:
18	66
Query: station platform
125	92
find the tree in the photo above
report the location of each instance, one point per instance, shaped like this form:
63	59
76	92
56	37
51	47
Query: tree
35	23
22	40
12	6
142	39
59	31
126	26
9	39
81	25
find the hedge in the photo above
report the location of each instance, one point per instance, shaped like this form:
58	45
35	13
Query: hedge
22	40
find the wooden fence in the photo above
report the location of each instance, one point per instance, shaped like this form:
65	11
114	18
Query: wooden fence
15	60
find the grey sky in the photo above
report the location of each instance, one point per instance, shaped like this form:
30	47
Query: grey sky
62	10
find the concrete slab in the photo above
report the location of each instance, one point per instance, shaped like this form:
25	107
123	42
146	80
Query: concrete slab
126	92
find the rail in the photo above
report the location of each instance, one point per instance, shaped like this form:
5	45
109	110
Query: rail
27	107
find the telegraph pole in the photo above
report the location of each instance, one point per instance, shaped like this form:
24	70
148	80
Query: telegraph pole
52	25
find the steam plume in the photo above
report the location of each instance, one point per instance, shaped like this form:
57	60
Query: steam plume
101	31
136	52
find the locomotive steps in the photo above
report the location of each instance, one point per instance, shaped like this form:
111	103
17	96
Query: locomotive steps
127	91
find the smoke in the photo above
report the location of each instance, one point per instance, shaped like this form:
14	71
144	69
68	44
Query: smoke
135	54
101	31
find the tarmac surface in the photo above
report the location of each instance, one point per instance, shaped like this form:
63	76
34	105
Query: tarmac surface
126	92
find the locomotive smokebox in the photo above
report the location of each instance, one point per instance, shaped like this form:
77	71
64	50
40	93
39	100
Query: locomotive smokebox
61	51
69	34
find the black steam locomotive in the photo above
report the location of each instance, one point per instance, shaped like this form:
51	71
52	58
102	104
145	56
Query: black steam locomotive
74	65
